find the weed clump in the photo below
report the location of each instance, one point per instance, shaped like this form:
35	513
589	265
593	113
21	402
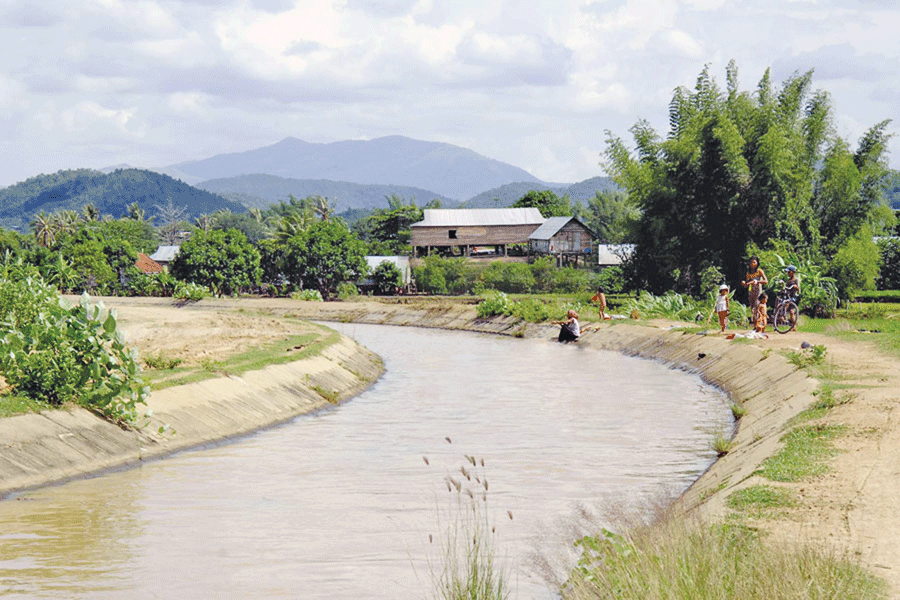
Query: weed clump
679	559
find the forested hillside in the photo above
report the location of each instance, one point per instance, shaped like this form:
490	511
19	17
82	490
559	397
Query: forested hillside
506	195
261	191
110	193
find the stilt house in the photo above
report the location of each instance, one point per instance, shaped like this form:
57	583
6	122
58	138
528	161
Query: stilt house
469	229
565	238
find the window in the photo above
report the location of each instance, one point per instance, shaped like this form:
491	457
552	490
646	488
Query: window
451	234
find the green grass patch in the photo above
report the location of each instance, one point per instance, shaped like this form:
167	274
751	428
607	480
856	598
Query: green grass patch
721	444
759	500
805	453
683	560
808	357
288	349
11	405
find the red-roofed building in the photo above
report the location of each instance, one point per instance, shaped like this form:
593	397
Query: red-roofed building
145	264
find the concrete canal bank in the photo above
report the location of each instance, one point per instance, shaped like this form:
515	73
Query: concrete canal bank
38	449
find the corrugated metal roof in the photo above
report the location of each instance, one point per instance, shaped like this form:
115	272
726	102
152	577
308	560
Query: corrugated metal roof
612	254
165	254
549	228
469	217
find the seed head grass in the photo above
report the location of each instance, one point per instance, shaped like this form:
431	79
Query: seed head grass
680	559
467	567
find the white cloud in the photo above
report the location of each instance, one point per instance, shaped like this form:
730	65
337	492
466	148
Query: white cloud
87	115
531	82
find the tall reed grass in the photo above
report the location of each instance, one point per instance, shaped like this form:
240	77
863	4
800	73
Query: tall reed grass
678	559
468	567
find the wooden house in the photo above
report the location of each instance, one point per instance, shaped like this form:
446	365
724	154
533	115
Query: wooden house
565	238
468	229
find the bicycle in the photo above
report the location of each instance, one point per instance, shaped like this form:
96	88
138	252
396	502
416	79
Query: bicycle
784	317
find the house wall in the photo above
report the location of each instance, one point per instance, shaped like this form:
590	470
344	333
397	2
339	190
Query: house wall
571	239
472	236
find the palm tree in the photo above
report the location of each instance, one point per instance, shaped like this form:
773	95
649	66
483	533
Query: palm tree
90	212
44	228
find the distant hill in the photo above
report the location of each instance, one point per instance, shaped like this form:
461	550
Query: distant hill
110	192
507	195
261	191
450	171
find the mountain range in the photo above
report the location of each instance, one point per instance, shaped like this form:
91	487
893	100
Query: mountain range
261	191
447	170
357	175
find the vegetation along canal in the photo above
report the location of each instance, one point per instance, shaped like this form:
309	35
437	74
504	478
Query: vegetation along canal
341	504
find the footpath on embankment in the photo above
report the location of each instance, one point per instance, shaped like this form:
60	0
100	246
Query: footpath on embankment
855	508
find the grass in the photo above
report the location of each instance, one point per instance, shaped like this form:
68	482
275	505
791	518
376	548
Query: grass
805	453
11	405
679	559
161	362
288	349
469	568
759	500
721	444
808	357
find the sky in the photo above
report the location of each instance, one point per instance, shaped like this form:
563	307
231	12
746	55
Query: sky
534	83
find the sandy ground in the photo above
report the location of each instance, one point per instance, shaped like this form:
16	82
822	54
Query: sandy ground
855	507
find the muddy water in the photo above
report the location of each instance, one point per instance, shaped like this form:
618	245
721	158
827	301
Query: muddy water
341	504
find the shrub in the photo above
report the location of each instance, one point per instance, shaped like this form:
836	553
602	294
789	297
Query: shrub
189	291
56	353
430	276
387	278
347	290
530	309
855	266
889	277
308	295
495	303
612	279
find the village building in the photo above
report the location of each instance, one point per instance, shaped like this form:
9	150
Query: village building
474	230
612	255
147	265
565	238
164	255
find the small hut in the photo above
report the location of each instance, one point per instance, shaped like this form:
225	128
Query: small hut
612	255
164	255
565	238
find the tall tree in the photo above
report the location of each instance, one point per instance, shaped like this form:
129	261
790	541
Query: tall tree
323	256
739	168
547	202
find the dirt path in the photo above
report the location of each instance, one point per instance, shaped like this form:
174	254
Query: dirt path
855	506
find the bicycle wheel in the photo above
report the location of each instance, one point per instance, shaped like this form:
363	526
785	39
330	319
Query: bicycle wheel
785	316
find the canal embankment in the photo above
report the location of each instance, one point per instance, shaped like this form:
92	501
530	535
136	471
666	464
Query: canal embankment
57	445
53	446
